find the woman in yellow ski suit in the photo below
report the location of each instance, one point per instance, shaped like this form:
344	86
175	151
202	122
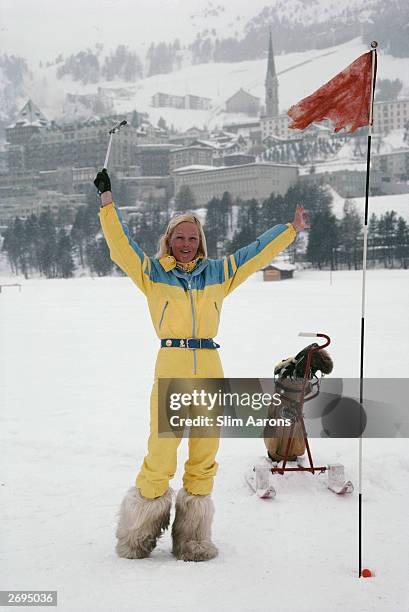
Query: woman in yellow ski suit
183	306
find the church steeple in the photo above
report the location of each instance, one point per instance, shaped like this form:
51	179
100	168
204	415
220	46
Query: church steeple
271	68
271	83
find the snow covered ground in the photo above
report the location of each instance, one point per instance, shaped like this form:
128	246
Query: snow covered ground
377	204
76	363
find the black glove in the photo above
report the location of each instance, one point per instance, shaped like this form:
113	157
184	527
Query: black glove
102	181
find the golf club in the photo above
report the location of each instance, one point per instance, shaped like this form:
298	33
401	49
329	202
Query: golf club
112	131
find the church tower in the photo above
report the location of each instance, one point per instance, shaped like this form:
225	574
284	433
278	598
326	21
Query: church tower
271	84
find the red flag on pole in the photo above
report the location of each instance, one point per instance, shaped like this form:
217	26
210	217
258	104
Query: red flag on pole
345	99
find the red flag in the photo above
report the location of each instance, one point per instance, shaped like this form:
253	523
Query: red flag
345	99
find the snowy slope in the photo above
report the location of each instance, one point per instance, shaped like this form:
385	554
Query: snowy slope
299	74
76	26
378	205
75	369
317	11
45	32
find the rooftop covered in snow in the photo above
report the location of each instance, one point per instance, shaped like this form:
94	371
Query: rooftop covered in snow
30	116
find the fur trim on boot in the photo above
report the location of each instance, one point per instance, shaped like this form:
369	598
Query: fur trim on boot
141	523
191	530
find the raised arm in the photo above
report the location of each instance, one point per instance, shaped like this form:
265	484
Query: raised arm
259	253
124	251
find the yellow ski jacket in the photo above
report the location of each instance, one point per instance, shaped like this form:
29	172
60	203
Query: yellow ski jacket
181	304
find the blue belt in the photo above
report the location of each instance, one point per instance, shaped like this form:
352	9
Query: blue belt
190	343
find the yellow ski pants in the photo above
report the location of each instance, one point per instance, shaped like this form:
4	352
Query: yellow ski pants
160	463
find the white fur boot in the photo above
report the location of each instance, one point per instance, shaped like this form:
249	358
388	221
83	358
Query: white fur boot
141	523
191	530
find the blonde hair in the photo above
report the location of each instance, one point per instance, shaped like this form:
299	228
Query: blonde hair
164	247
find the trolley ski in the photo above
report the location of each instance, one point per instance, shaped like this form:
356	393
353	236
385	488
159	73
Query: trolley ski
261	477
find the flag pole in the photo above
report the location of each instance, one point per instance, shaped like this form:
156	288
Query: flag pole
374	45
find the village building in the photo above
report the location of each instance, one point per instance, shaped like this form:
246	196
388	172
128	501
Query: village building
347	178
243	181
278	270
188	156
33	143
189	101
243	102
393	167
154	159
390	115
189	136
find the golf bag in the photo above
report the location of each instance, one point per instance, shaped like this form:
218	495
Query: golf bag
289	377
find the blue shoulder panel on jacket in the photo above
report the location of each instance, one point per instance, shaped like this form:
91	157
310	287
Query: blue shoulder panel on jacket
246	253
209	272
213	274
158	274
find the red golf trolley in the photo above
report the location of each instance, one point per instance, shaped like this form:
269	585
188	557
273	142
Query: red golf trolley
295	392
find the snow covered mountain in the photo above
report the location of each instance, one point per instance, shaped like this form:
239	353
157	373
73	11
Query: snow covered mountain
298	73
316	35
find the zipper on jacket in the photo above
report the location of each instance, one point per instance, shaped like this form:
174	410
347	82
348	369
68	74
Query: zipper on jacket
163	313
217	310
189	286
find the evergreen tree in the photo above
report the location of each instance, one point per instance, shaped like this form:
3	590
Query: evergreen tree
213	215
64	257
64	216
32	240
247	226
162	123
226	207
218	221
323	240
160	58
86	226
124	64
387	89
14	71
229	50
14	245
373	238
389	24
184	199
387	228
143	229
314	198
48	248
146	226
275	209
20	241
91	214
123	193
402	243
78	237
82	66
350	235
98	257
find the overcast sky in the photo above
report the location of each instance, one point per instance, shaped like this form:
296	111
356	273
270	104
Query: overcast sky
41	29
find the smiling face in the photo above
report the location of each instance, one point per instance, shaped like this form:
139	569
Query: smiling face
184	241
